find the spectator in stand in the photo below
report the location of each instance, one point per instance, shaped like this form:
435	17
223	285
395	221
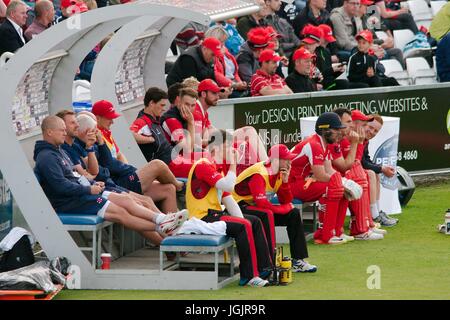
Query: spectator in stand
299	80
311	37
396	19
275	46
191	35
329	70
45	13
265	82
288	40
11	33
290	10
255	20
91	4
315	13
443	59
363	65
344	27
197	61
71	7
225	66
247	58
383	48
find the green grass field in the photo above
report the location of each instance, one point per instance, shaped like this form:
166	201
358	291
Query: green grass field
414	260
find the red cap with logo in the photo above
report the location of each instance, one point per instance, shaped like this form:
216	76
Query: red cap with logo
258	38
302	53
273	33
104	108
327	33
209	85
366	35
312	34
280	151
214	45
358	115
269	55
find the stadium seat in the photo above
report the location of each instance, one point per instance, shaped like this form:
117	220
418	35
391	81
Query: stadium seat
393	68
436	6
402	37
89	223
421	12
420	71
198	243
381	35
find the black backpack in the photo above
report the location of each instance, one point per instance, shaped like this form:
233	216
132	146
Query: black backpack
20	255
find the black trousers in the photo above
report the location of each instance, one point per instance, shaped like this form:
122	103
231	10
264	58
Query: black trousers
402	21
293	223
251	243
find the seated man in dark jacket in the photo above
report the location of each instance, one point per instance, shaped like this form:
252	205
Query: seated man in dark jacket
196	62
69	194
373	171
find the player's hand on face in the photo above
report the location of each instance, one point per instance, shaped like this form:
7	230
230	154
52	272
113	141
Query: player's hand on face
353	137
362	134
99	136
187	114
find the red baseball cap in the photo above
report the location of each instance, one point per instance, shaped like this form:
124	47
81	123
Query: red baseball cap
214	45
280	151
312	34
273	33
366	35
67	3
209	85
258	38
366	2
104	108
302	53
327	33
358	115
269	55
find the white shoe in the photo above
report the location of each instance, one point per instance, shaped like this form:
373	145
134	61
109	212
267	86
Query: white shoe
303	266
336	240
347	238
257	282
172	222
379	231
369	236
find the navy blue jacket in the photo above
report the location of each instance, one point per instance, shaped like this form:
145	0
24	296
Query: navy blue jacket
55	170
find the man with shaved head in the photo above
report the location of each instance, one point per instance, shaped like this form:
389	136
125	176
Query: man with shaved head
45	13
68	192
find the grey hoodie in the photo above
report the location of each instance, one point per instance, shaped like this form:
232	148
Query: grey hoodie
343	29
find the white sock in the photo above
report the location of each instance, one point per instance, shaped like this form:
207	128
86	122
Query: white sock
374	210
159	218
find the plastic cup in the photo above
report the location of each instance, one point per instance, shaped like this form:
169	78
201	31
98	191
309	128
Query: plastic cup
106	260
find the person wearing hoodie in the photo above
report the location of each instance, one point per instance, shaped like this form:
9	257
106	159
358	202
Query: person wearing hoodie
68	192
247	58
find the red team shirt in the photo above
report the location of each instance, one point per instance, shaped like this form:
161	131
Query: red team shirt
207	176
261	79
342	149
310	152
173	128
256	186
